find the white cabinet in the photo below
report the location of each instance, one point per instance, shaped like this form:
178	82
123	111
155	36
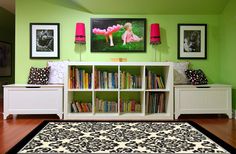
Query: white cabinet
120	94
203	99
33	99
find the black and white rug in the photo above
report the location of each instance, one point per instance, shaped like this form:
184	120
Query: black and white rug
120	137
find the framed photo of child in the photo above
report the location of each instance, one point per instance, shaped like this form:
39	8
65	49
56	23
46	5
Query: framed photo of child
44	40
192	41
118	35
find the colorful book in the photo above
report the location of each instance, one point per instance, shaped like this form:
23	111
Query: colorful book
109	80
74	107
78	105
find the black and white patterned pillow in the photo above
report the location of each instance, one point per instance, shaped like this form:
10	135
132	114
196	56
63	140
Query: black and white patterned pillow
196	77
39	75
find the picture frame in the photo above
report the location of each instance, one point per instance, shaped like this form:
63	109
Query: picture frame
44	40
5	59
192	41
118	35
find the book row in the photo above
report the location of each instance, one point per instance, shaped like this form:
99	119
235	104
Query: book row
155	102
80	79
154	81
105	106
76	106
129	81
130	106
105	80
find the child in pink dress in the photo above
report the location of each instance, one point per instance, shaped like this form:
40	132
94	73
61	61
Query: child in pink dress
129	36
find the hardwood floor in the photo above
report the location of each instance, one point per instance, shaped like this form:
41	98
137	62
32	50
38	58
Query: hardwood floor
14	129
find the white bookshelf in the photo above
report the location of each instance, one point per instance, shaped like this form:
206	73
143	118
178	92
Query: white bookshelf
165	69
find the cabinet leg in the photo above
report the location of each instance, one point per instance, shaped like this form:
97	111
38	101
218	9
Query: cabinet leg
14	116
5	115
229	115
177	116
60	116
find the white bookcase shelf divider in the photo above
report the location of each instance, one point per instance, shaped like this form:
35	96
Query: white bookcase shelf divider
163	69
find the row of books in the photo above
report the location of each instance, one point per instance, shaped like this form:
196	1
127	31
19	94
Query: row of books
105	80
80	79
155	102
154	81
129	81
105	106
76	106
130	106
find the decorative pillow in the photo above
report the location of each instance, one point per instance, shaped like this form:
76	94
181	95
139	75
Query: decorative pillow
179	73
39	75
57	70
196	77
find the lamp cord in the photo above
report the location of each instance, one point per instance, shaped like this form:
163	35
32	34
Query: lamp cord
155	53
79	53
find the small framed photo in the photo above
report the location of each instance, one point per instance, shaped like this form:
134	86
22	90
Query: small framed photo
44	40
5	59
192	41
118	35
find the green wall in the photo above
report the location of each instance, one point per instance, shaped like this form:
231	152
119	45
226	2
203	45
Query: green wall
221	38
227	46
7	34
28	11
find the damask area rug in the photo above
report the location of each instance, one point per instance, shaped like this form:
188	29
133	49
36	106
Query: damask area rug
120	137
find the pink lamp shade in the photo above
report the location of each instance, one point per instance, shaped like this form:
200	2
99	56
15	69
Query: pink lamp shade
155	34
80	33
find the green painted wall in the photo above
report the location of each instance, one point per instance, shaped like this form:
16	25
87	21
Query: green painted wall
28	11
228	48
7	34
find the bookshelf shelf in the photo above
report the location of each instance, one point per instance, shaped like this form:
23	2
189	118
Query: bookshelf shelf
106	114
106	89
80	89
158	90
127	113
121	88
131	90
81	113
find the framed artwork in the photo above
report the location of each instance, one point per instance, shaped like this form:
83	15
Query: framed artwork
192	41
118	35
5	59
44	40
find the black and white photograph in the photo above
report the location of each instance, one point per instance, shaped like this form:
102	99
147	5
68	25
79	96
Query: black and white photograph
44	40
192	40
5	59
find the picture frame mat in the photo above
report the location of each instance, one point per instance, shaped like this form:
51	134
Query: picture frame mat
56	42
192	55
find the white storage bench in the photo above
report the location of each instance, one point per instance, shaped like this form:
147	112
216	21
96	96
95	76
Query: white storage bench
33	99
203	99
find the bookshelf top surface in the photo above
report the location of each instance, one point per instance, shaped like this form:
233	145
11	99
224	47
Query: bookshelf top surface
33	86
121	63
203	86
